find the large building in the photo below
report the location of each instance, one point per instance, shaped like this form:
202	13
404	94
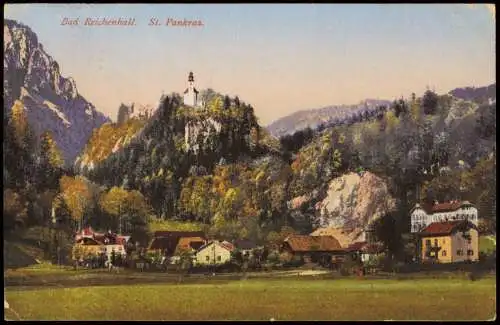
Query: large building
422	217
191	93
450	242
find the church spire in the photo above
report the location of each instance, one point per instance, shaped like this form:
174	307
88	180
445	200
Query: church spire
191	77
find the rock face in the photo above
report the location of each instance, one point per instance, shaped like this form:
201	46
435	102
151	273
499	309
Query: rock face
198	133
353	202
52	101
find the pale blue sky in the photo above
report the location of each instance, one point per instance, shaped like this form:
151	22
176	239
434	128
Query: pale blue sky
279	57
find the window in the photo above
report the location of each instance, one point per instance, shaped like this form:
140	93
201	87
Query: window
444	241
443	253
460	252
219	258
435	242
207	258
427	242
470	252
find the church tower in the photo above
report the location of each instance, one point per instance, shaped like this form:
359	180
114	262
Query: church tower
191	94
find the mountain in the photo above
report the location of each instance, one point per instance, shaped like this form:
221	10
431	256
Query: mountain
323	116
480	95
52	101
338	113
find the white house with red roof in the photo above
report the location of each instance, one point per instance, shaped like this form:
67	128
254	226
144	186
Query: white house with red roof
107	242
214	252
421	216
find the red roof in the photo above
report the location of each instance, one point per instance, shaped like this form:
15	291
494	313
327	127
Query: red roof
224	244
88	231
447	206
227	245
120	241
190	243
365	247
445	227
443	207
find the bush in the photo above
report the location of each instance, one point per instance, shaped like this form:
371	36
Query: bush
350	265
273	257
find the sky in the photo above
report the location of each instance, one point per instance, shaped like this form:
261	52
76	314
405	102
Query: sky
280	58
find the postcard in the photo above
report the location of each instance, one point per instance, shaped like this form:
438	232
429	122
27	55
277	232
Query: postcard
262	162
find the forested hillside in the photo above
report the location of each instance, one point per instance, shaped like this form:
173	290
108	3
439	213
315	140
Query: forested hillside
430	148
217	167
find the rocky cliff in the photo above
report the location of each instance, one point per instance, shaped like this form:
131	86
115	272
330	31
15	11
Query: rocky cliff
52	101
352	202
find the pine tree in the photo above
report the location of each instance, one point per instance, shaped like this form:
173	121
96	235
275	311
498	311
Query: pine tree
50	162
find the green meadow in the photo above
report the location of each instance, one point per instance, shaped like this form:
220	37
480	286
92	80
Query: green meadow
263	299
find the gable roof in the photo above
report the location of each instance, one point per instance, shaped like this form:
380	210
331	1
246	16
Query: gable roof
190	242
442	207
225	244
365	247
169	239
446	206
300	243
164	243
446	227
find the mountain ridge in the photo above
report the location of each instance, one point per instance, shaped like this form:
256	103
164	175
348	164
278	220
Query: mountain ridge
52	101
313	118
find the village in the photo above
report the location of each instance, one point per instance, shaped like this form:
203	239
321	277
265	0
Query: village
447	233
343	168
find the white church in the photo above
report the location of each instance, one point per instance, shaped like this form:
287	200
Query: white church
441	212
191	93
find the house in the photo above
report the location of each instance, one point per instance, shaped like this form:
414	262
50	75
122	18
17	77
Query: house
87	246
365	250
214	252
165	242
245	246
422	216
312	248
450	241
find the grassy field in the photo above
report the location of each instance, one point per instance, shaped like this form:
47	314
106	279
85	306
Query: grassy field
260	299
487	244
171	225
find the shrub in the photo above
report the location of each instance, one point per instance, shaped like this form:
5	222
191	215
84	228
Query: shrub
273	257
349	265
